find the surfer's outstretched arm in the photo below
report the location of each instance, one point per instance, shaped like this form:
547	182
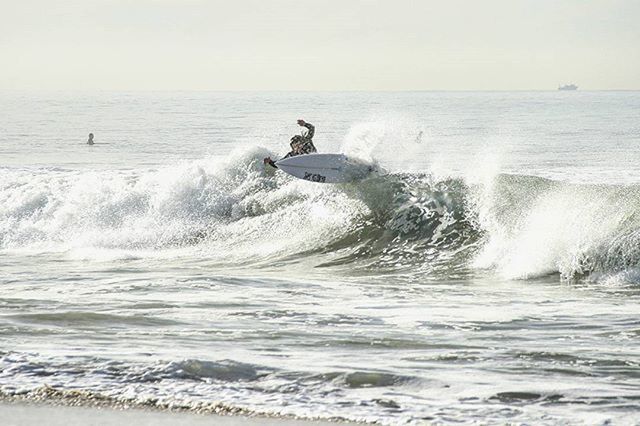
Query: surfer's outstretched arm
309	126
312	130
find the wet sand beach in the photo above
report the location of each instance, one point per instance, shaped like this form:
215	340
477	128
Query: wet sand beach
22	414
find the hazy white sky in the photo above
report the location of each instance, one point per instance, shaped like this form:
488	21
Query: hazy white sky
319	44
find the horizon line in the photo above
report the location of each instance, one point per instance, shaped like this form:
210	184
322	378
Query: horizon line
307	90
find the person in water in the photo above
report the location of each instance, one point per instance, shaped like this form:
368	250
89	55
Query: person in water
300	144
90	141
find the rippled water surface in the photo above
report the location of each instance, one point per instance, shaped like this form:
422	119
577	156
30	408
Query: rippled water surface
489	272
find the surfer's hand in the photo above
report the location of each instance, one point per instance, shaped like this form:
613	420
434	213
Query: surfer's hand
301	122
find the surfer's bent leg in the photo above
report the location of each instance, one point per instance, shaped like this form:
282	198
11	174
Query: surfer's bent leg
308	147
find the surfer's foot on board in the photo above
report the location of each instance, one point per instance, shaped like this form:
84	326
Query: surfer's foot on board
270	162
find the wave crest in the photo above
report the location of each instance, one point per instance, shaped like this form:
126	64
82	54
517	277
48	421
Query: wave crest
235	212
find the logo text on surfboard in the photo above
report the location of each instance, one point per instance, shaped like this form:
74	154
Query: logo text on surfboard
313	177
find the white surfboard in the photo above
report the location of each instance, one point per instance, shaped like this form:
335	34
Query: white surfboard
325	168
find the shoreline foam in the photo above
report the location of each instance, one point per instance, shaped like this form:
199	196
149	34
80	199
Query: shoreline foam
56	407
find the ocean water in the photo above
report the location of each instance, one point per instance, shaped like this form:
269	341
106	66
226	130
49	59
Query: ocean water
490	273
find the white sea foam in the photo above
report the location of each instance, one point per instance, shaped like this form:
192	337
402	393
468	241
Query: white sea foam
230	210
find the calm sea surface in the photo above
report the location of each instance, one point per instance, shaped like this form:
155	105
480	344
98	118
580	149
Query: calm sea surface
489	273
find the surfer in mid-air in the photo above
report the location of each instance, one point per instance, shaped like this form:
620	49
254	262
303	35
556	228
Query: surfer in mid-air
300	144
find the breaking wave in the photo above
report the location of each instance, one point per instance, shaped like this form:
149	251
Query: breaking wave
232	212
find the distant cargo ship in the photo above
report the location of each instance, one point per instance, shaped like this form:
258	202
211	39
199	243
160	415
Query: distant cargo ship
568	87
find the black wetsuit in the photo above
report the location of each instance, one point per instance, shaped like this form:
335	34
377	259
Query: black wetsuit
307	140
305	144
